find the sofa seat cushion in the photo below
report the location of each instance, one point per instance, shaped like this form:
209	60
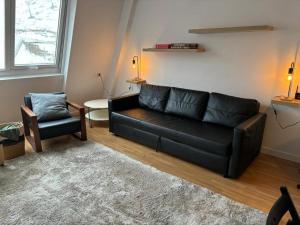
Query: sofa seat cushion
59	127
187	103
203	136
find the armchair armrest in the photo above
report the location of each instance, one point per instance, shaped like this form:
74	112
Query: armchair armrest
27	112
80	108
29	118
247	139
123	103
74	105
30	122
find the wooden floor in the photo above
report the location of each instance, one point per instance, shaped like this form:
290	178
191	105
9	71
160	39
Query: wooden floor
258	187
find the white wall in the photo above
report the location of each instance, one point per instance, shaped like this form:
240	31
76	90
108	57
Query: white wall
251	65
12	93
95	28
94	36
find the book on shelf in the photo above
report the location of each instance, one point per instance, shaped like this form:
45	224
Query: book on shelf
162	46
184	48
178	46
184	45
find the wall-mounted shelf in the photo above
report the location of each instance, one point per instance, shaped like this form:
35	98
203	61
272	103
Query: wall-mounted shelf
231	29
197	50
136	81
279	100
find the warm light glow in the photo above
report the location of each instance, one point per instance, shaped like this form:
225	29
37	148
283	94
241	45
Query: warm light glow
133	66
290	77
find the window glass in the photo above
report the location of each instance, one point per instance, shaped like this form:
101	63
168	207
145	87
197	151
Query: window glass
36	32
2	35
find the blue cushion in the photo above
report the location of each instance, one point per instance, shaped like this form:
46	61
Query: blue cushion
49	107
27	99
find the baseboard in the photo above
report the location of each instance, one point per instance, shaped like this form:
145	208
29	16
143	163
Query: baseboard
280	154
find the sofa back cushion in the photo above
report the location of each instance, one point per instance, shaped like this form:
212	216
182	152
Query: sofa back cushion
154	97
187	103
228	110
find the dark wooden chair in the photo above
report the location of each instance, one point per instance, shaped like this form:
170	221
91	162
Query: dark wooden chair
283	205
36	131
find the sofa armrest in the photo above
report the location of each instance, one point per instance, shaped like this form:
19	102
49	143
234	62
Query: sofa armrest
121	103
247	139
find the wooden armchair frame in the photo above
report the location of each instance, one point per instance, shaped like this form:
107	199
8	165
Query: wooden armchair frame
31	129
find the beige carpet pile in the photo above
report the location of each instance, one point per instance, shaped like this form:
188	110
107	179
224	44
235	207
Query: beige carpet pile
88	183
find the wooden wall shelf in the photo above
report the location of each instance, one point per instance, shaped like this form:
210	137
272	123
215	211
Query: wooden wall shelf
136	81
278	100
198	50
231	29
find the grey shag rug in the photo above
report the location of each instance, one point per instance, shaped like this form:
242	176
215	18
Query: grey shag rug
88	183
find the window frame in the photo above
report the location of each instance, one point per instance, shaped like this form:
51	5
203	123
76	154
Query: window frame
34	69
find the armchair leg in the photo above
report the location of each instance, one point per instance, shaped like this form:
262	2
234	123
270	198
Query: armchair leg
83	135
1	155
36	144
37	138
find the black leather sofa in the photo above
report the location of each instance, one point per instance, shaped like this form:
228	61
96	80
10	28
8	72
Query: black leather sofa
220	132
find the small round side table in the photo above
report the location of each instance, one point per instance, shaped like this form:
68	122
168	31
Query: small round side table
97	110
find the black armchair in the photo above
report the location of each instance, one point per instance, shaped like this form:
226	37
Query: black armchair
36	131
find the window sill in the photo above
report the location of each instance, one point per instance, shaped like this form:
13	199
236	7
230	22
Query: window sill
19	77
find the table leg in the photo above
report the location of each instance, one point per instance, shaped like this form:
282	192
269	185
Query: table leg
1	155
90	122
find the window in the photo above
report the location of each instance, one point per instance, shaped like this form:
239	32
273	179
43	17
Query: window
35	30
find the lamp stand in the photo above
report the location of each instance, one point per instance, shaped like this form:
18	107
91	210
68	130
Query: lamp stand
290	78
136	61
290	89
